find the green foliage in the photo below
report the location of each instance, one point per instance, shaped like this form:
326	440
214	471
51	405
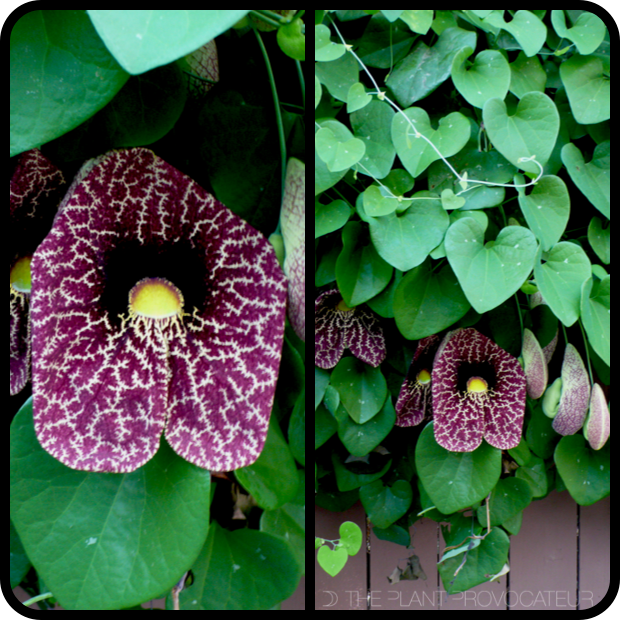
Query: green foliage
462	178
83	83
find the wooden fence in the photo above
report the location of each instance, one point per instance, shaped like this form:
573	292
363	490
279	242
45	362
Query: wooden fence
559	560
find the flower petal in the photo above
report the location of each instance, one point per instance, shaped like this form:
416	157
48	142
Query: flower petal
364	336
328	330
36	187
105	386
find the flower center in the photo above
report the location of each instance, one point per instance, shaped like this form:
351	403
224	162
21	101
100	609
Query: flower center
342	306
477	384
424	377
155	298
20	275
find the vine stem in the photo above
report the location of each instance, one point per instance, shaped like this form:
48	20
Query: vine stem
463	180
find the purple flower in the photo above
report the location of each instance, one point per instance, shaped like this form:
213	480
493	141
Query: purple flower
155	310
414	401
36	190
338	327
478	392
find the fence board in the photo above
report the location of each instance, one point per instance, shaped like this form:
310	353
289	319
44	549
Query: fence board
545	572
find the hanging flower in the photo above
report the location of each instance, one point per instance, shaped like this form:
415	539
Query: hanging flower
36	190
414	401
478	392
293	221
567	398
338	327
596	427
156	310
534	364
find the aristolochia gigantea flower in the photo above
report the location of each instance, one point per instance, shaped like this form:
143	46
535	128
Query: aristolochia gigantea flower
414	400
478	392
155	310
36	190
338	327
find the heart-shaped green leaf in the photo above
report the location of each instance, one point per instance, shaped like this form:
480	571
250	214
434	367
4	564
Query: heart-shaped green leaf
593	178
317	91
426	301
456	480
510	496
406	239
489	274
416	153
483	561
350	537
384	504
525	27
336	154
531	130
358	97
546	209
588	89
561	277
487	77
332	561
585	472
362	388
587	33
449	201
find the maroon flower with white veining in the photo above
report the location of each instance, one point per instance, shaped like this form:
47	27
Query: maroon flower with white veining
338	327
414	401
478	392
156	310
36	190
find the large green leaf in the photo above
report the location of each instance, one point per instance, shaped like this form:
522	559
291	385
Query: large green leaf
244	569
405	239
272	478
546	208
561	277
588	88
106	541
489	273
456	480
360	272
531	130
525	27
487	77
61	74
509	497
593	178
585	472
362	388
141	40
386	504
596	315
428	301
417	154
483	562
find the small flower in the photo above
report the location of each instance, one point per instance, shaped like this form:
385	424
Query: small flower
414	401
36	190
573	388
534	364
156	310
596	427
293	221
338	327
478	392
